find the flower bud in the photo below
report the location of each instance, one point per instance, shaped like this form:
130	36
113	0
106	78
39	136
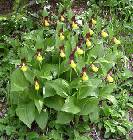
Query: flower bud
62	54
74	25
88	43
110	79
104	34
79	51
37	86
24	67
62	18
93	21
72	64
84	76
116	41
62	37
94	68
91	32
39	57
46	23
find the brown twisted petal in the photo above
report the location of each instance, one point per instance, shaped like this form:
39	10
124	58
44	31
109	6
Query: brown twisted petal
23	60
61	47
73	19
84	69
88	35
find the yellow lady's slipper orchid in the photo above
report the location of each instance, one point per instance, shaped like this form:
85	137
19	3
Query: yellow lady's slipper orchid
110	78
37	86
104	34
73	64
94	68
62	18
79	51
93	21
91	32
39	57
62	37
84	76
24	67
88	43
116	41
62	54
74	25
46	23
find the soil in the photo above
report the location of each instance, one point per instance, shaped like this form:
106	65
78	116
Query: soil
5	6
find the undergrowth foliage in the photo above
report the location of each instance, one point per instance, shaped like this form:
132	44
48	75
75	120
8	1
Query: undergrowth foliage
68	74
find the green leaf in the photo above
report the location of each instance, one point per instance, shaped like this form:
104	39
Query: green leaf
48	91
94	117
85	29
19	97
97	51
32	136
42	119
80	137
38	104
127	74
60	86
111	98
55	102
105	65
130	105
86	91
26	113
48	71
44	12
67	49
73	41
89	88
64	66
18	81
29	75
2	46
64	118
54	135
39	43
88	105
106	89
99	24
70	105
121	129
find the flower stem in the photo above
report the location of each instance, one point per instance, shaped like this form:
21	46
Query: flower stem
59	68
70	75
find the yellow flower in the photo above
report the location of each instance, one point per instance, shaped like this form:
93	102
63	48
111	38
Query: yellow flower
116	41
62	54
110	79
85	76
80	51
74	25
94	68
62	37
104	34
39	57
73	64
46	23
94	21
62	18
24	67
91	32
88	43
37	86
